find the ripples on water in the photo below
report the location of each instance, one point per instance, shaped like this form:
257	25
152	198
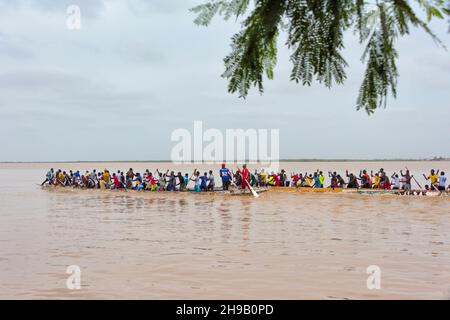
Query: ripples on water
157	245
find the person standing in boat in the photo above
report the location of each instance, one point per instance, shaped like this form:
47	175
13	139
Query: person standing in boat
225	175
245	177
406	180
49	177
211	181
282	178
172	182
442	181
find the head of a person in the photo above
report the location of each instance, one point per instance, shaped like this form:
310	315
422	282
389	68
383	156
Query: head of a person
442	173
432	171
244	166
210	172
364	171
172	173
223	165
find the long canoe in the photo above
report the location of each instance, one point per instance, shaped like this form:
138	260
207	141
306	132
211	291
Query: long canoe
358	191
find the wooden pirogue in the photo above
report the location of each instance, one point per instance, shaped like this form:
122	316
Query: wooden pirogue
360	191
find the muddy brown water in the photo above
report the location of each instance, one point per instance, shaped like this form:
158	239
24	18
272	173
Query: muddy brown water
189	246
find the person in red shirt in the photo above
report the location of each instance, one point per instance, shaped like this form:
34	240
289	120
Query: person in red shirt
116	181
295	177
276	179
245	177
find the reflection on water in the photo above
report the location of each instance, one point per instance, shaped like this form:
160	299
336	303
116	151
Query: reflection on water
156	245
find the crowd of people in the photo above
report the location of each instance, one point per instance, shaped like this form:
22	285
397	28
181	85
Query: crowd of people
171	181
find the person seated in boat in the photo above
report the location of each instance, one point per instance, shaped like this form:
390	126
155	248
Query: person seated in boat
67	179
271	180
263	178
395	181
309	180
70	177
226	177
116	183
99	177
442	180
406	180
172	181
294	179
433	177
106	177
366	181
341	181
204	182
122	180
130	174
237	178
282	177
186	180
352	180
385	184
321	179
211	181
101	182
162	180
138	181
316	181
376	179
61	179
181	182
197	182
334	182
253	179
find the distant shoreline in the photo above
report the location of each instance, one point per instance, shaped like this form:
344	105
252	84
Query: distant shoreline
281	160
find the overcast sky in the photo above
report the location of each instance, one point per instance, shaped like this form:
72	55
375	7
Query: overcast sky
137	70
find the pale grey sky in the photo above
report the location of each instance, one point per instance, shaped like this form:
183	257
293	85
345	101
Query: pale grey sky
137	70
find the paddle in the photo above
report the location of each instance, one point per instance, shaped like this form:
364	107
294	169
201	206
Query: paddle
414	179
255	194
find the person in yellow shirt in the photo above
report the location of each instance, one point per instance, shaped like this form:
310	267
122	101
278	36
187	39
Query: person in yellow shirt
376	180
433	177
263	176
106	177
309	180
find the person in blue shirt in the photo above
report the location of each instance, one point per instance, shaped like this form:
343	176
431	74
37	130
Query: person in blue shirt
203	182
225	174
138	180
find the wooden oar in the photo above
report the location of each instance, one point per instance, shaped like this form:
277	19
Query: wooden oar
255	194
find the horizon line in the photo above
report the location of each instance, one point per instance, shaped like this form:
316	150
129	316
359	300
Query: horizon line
236	161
